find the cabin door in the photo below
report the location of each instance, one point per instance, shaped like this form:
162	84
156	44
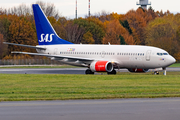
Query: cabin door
148	55
55	51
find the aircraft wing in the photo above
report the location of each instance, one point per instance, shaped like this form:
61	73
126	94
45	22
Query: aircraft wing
67	59
58	57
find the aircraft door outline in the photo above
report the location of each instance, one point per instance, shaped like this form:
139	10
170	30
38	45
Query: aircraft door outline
148	55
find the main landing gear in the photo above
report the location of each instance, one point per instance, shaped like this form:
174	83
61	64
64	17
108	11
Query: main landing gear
89	72
156	72
113	72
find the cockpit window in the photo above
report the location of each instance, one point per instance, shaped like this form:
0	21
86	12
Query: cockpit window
165	53
160	54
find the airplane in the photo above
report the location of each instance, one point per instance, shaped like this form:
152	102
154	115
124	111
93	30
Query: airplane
97	58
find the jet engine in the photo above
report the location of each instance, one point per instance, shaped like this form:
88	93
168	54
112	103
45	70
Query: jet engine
101	66
137	70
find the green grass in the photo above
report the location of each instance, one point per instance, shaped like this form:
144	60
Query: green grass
175	65
22	87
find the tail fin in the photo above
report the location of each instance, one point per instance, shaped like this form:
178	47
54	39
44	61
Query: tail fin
45	32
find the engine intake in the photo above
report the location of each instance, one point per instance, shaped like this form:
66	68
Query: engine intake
137	70
101	66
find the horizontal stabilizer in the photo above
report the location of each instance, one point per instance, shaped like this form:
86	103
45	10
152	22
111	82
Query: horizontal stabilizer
29	46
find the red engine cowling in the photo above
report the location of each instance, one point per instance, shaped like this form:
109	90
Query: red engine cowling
101	66
138	70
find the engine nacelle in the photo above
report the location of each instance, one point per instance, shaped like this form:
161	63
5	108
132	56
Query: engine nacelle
137	70
101	66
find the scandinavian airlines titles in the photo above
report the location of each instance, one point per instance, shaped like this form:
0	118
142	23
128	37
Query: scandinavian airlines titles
46	38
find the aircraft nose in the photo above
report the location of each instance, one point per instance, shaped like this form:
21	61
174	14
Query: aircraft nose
171	60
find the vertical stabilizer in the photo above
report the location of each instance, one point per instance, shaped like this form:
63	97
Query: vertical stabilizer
45	32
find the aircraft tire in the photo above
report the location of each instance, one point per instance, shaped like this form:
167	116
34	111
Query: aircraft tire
88	71
156	73
113	72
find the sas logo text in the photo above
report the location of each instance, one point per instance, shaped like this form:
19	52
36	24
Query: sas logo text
46	38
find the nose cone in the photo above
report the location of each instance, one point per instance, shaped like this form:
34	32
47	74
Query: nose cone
171	60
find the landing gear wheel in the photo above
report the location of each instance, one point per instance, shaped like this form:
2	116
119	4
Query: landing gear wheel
164	69
88	71
113	72
156	73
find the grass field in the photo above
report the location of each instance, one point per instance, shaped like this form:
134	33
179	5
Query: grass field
175	65
22	87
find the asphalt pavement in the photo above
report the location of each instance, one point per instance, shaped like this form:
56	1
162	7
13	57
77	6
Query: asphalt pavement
57	70
117	109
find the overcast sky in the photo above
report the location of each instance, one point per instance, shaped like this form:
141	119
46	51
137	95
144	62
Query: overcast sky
67	7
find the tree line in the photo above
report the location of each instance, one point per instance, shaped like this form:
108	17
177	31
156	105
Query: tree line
136	27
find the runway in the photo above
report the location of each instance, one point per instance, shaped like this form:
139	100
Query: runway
117	109
57	70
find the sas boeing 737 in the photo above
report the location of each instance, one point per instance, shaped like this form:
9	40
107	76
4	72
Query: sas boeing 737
97	58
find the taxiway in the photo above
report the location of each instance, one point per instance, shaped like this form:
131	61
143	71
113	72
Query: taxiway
57	70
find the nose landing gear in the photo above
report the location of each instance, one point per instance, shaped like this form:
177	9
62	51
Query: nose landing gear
164	71
161	69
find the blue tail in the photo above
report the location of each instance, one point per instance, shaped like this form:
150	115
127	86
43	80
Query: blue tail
45	32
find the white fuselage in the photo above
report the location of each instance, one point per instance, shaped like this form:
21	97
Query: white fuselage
126	56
